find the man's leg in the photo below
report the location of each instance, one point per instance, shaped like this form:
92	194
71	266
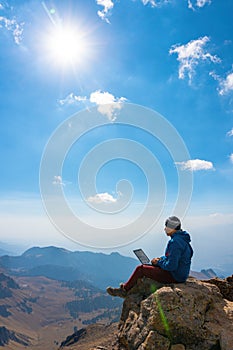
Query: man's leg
149	271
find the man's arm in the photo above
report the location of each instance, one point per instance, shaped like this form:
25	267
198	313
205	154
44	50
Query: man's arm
170	262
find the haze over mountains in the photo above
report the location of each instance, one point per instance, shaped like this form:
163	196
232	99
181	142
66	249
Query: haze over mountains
61	264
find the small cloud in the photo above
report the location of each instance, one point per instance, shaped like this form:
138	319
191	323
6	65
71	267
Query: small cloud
198	4
1	7
72	99
201	3
230	133
102	198
196	165
156	3
231	158
57	180
190	5
226	85
107	103
14	27
151	2
191	54
107	6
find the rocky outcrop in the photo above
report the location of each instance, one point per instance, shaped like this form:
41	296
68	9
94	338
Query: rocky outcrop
7	335
186	316
225	286
6	286
73	338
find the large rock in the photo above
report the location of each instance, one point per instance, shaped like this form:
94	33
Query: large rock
225	286
186	316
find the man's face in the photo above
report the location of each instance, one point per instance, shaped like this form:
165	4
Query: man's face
169	231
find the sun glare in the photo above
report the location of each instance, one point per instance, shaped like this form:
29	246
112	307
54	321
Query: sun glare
66	45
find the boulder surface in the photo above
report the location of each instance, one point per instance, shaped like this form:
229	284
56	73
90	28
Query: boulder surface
187	316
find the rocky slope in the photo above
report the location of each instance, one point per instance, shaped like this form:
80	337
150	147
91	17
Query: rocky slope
188	316
39	313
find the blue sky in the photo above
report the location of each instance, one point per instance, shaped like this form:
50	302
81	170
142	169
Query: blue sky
61	57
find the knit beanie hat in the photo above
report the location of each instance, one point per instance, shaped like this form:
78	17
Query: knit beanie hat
172	222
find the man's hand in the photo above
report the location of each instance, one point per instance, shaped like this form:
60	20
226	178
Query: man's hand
154	261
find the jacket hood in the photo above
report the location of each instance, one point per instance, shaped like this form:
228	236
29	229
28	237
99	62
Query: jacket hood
183	235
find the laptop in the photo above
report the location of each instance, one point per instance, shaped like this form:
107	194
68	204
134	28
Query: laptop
142	257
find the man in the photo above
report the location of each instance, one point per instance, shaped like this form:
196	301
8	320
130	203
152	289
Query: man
174	267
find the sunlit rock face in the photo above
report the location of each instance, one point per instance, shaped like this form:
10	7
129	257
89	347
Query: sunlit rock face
186	316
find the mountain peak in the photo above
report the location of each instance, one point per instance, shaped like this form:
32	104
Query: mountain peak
45	250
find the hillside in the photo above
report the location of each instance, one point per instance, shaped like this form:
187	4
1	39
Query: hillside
40	312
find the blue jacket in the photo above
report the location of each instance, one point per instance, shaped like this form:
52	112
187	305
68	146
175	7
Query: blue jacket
178	254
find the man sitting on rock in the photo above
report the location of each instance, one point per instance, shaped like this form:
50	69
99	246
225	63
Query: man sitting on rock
174	267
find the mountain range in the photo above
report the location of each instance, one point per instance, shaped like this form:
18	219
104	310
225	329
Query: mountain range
98	269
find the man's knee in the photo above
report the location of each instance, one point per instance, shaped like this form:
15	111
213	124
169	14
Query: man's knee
139	270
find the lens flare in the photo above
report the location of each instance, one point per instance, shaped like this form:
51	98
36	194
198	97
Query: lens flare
162	315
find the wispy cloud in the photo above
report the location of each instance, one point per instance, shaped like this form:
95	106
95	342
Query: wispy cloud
225	84
107	103
201	3
72	99
107	7
198	4
155	3
230	132
102	198
14	27
151	2
195	165
57	180
231	158
190	55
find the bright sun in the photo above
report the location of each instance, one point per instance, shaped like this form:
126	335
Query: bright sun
66	46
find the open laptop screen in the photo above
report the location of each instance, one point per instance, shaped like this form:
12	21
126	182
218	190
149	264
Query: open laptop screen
142	257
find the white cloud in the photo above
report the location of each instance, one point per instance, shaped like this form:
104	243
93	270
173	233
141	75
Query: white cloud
191	54
14	27
195	165
57	180
190	5
230	133
102	198
155	3
151	2
107	103
107	6
201	3
198	4
1	7
231	158
226	85
72	99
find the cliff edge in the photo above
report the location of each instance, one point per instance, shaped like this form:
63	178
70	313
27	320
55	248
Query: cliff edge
196	315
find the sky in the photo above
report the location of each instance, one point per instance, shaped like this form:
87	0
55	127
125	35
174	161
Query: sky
115	115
